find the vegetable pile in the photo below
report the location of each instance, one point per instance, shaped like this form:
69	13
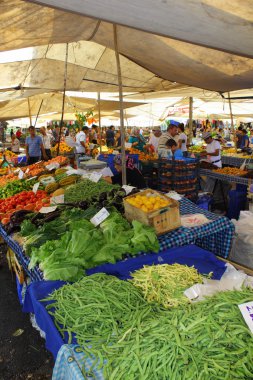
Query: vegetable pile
15	187
131	339
165	284
80	245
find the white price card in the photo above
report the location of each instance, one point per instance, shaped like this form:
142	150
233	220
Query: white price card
46	210
36	187
27	171
53	166
128	145
30	179
100	217
95	177
128	189
71	171
106	172
21	174
247	313
58	199
115	152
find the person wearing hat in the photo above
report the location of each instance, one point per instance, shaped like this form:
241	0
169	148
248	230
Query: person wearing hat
154	138
172	133
133	176
213	150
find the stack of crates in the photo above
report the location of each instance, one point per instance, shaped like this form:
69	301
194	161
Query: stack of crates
181	176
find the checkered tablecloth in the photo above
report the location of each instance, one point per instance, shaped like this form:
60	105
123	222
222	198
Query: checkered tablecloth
216	236
234	161
73	364
224	177
34	274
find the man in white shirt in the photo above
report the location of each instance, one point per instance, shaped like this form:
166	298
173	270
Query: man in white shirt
182	141
81	139
154	138
46	141
213	150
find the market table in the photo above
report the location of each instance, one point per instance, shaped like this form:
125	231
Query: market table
215	236
69	360
225	177
234	161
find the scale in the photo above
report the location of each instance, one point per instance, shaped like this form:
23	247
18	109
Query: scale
93	165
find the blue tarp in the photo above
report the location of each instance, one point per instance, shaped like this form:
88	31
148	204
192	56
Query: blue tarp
189	255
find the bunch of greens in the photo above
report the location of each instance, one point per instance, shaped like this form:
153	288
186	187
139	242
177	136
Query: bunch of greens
86	190
132	339
82	246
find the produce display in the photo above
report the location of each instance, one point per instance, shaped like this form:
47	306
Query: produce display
130	337
25	200
231	171
63	149
196	149
15	187
230	150
165	284
148	202
144	156
80	245
8	154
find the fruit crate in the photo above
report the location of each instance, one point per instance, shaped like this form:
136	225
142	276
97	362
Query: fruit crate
163	220
180	176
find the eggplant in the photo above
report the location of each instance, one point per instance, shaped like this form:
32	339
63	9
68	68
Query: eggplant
83	205
20	215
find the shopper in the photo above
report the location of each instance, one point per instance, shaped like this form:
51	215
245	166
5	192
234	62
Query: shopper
109	136
172	133
15	144
46	140
175	151
137	140
154	138
34	147
213	150
94	134
18	133
182	139
12	133
133	176
245	140
81	140
238	137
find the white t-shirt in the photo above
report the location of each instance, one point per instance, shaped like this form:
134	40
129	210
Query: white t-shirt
183	136
80	137
154	141
46	140
211	148
15	146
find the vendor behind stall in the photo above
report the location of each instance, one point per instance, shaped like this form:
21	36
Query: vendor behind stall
137	140
15	144
213	150
133	175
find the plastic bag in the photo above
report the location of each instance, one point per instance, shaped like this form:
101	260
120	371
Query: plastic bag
232	279
242	250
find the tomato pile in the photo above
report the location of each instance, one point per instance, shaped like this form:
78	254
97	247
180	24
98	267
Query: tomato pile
26	200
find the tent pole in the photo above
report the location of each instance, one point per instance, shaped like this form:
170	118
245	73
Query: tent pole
64	95
122	128
99	123
29	110
190	118
231	114
38	113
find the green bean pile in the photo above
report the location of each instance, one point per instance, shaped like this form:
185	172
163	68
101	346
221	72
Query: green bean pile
165	283
86	190
208	340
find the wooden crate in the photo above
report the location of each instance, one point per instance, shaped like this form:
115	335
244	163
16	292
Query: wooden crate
15	267
163	220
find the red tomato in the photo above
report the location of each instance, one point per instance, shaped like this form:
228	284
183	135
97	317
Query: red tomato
5	220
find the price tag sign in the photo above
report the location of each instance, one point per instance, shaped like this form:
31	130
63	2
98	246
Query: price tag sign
95	177
30	179
46	210
247	313
53	166
58	199
21	174
128	189
36	187
106	172
27	171
115	152
128	145
72	171
100	217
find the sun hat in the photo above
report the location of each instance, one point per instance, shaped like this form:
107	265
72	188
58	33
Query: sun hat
206	135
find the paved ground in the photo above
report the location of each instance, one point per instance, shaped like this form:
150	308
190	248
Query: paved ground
22	357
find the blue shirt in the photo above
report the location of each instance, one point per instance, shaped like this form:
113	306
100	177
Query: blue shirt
34	145
243	142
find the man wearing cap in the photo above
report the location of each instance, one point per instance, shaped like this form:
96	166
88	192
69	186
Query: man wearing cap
172	133
213	150
154	138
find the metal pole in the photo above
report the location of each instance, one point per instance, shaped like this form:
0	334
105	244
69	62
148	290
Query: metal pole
190	118
29	111
99	123
38	112
231	114
64	95
122	129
